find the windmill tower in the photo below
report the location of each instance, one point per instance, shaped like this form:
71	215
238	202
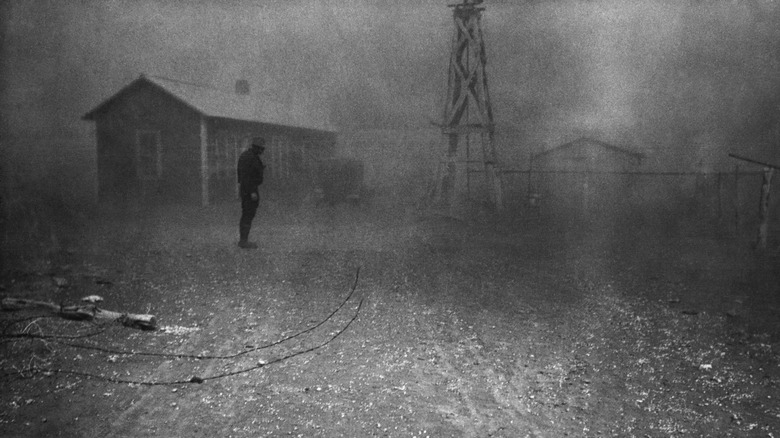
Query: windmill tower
467	123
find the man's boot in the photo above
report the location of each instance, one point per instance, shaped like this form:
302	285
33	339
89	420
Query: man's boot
243	240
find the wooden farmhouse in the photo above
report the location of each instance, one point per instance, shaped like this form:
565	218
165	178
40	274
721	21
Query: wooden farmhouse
584	178
162	140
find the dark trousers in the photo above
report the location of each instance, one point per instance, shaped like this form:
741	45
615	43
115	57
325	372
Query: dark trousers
248	211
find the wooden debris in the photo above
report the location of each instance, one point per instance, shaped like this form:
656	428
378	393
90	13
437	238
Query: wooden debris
86	312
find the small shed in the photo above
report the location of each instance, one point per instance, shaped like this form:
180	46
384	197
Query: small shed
165	140
584	178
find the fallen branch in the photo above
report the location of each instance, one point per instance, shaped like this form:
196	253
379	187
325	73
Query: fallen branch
87	312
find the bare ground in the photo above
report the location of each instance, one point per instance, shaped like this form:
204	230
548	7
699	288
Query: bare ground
454	329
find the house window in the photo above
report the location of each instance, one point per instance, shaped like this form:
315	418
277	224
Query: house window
149	154
223	155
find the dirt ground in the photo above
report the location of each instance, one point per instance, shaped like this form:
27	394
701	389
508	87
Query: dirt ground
455	328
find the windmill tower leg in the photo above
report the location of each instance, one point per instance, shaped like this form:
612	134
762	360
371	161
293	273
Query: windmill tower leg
492	172
467	113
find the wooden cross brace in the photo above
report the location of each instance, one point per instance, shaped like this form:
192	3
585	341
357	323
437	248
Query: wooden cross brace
467	65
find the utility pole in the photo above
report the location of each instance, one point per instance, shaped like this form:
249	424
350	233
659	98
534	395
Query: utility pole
468	115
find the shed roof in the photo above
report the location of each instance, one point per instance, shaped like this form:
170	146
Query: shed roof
584	141
213	102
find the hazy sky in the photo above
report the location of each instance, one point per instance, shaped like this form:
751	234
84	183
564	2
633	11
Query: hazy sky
655	75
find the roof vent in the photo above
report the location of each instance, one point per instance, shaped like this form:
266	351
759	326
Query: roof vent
242	86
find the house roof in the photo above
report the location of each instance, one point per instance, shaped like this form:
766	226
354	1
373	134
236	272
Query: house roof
763	160
583	141
213	102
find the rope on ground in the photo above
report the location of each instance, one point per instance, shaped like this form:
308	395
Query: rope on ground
197	379
227	356
13	322
13	337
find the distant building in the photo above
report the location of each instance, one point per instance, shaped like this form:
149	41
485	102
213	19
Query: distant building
170	141
584	178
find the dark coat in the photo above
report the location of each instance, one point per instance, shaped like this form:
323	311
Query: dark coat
250	171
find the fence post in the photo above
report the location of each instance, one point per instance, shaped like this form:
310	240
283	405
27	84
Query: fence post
720	201
736	199
763	211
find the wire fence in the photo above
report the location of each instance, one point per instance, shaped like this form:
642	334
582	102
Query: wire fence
728	201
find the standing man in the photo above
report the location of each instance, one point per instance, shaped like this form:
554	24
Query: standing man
250	176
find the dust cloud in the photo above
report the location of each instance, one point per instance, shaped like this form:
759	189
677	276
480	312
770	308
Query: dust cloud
683	82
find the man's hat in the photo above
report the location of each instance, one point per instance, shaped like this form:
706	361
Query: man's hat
258	141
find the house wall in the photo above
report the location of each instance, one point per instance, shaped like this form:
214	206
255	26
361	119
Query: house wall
290	157
145	108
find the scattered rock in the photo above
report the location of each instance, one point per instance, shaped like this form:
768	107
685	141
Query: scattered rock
60	282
